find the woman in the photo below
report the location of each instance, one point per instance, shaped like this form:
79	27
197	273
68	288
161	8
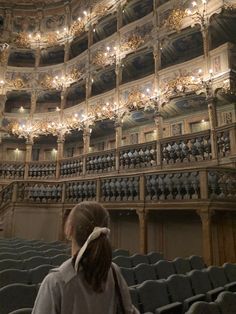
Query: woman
87	283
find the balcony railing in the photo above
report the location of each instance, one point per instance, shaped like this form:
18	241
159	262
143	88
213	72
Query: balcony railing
155	187
188	149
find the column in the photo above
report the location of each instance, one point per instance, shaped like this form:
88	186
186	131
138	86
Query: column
63	99
159	135
37	57
86	139
118	134
66	51
60	153
206	219
206	46
212	113
3	99
34	96
143	231
8	20
28	157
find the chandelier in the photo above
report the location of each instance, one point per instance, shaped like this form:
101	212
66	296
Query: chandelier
199	13
60	82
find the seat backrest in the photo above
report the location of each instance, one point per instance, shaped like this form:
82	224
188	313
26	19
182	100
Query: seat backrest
227	302
120	252
154	257
10	276
144	272
200	281
17	296
22	311
59	259
197	262
164	269
230	271
153	294
134	297
35	262
29	254
139	259
23	249
217	276
44	247
11	264
201	307
123	261
37	274
179	287
9	256
129	276
52	252
182	265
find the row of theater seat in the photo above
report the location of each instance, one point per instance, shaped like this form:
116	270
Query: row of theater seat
178	265
179	292
224	304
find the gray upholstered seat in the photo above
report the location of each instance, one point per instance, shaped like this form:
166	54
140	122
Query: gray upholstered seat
180	289
197	262
139	259
202	307
154	297
35	262
129	276
164	269
227	302
201	284
59	259
10	276
22	311
144	272
9	256
17	296
154	257
134	297
11	264
230	271
37	274
29	254
218	278
120	252
123	261
182	265
52	252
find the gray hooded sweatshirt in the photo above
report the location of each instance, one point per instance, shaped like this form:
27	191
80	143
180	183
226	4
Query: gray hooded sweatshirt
63	291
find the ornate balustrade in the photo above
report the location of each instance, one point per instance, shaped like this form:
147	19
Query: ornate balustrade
138	156
120	189
6	195
186	148
223	143
71	167
157	186
11	170
39	192
100	162
78	191
221	184
173	186
42	170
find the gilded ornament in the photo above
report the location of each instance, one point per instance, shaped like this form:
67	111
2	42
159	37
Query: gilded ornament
22	40
175	19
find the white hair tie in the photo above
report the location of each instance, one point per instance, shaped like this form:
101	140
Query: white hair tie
97	231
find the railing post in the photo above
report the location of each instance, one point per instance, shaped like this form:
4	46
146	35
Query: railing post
204	184
98	190
143	234
159	135
14	192
63	193
142	188
206	219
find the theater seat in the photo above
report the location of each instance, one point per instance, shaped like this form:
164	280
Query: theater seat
230	271
22	311
129	276
137	259
204	308
144	272
197	262
154	257
37	274
123	261
59	259
182	265
227	302
164	269
10	276
218	278
17	296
